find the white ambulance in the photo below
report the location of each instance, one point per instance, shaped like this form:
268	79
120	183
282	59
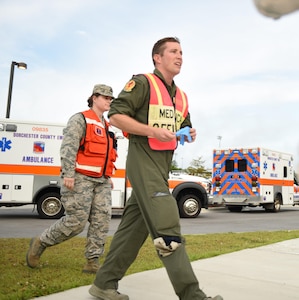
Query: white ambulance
253	177
30	172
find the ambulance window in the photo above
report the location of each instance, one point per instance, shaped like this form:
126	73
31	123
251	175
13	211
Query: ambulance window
285	172
242	165
2	127
229	165
11	127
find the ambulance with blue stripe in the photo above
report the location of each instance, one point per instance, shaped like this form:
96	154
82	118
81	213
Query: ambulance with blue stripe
251	177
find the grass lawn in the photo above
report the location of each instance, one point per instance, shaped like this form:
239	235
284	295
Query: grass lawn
61	266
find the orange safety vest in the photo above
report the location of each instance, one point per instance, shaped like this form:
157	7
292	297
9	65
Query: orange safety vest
165	112
97	151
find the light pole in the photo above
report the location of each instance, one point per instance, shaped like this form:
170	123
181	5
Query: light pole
219	137
20	65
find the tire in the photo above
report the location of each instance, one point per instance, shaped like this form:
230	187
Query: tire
49	206
234	208
275	206
189	206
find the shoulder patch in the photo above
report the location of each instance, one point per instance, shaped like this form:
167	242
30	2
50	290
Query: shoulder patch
129	86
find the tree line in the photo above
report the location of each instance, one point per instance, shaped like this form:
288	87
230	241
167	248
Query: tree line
196	168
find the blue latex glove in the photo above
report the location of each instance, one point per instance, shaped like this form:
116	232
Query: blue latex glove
182	133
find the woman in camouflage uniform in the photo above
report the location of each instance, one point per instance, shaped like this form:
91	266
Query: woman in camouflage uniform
86	184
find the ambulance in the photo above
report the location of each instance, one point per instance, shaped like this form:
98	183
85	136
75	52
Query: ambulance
30	172
251	177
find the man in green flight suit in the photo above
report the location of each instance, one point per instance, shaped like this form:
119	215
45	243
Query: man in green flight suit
151	109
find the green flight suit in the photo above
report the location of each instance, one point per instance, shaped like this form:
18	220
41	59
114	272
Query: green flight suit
151	209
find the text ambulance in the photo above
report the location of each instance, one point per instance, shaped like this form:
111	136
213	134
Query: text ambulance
30	172
253	177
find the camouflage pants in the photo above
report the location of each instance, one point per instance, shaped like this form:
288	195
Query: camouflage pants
90	200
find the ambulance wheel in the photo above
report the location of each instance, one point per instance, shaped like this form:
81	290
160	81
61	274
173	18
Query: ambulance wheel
275	206
189	206
49	206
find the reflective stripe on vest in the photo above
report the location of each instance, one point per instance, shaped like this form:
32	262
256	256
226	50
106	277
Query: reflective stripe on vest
93	169
163	113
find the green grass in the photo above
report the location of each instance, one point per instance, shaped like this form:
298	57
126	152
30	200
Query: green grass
61	266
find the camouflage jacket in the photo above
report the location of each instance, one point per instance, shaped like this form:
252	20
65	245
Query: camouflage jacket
72	135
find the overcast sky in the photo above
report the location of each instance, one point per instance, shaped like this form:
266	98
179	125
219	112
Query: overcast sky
240	69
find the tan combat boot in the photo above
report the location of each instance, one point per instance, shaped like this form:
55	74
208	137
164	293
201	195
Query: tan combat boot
34	253
106	294
91	266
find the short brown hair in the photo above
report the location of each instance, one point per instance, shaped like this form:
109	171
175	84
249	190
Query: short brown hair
159	46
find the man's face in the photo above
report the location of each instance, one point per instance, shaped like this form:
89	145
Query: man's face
171	60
